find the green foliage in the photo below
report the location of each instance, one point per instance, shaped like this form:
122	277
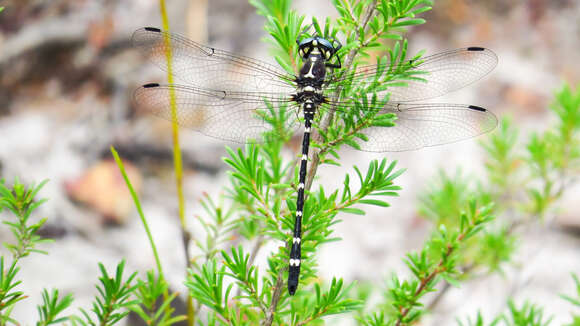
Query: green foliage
528	315
218	224
525	182
8	297
438	260
445	198
545	168
20	200
265	201
154	303
208	288
478	321
323	303
443	203
378	181
365	26
114	299
283	24
574	301
52	306
555	154
503	162
390	22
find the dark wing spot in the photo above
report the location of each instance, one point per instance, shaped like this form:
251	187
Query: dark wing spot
225	95
151	85
475	48
153	29
477	108
212	52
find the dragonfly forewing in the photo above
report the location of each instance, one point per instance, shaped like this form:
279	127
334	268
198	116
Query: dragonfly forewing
428	78
204	66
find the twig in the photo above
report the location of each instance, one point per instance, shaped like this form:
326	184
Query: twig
278	288
511	228
446	287
256	248
439	296
425	281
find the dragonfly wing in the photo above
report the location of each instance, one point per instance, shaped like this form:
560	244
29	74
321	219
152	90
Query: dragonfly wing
423	125
446	72
204	66
431	77
237	117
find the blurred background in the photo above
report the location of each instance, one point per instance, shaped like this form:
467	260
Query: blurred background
67	75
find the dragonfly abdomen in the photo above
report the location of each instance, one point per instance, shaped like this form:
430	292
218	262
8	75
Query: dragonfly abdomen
295	251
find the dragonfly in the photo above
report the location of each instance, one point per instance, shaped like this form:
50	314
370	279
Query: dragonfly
223	92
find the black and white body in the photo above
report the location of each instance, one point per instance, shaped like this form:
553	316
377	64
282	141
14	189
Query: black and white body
223	94
316	53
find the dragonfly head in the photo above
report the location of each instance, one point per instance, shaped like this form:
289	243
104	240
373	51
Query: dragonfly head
317	45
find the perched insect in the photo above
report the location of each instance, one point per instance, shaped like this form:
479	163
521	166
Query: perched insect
226	91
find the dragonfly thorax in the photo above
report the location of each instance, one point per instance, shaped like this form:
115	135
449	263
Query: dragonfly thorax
310	80
313	71
316	53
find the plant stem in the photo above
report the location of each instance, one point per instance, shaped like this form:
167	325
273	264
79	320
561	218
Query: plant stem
275	298
440	294
139	210
177	161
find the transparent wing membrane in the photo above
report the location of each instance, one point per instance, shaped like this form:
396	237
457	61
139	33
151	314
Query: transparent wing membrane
233	117
423	125
439	73
204	66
